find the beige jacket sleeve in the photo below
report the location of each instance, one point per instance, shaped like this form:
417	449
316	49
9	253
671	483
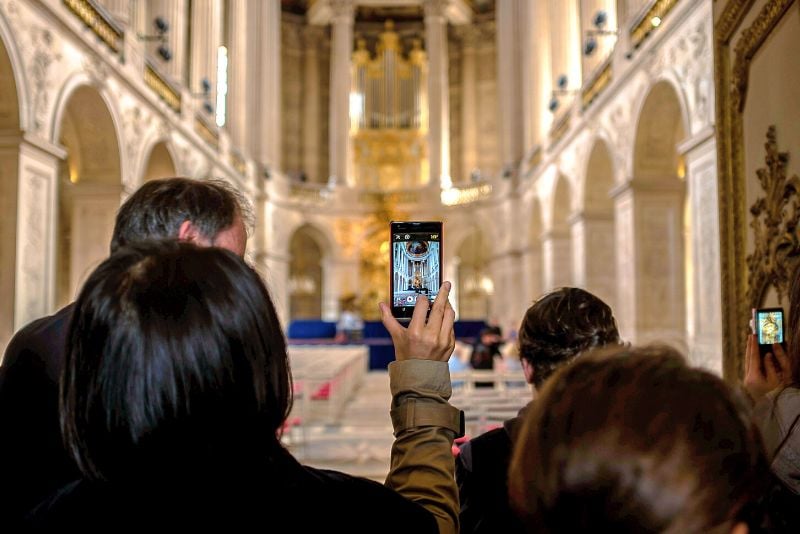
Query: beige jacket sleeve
425	424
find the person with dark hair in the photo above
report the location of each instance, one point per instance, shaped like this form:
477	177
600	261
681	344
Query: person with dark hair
175	388
32	458
557	328
634	440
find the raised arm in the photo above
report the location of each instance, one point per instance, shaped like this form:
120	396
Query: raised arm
425	424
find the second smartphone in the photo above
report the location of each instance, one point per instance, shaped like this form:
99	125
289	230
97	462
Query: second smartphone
416	264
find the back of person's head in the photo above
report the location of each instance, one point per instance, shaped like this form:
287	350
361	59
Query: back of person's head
175	360
634	440
562	324
159	207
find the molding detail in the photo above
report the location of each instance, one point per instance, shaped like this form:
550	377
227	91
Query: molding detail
775	220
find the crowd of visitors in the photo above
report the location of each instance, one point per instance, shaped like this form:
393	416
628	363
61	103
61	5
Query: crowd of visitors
159	396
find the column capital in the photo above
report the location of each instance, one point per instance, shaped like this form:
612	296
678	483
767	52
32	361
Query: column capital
342	11
435	9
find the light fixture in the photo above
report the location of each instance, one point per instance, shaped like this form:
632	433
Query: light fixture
599	22
205	94
162	27
561	83
655	21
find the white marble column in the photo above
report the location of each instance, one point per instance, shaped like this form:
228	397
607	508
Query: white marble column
651	303
175	12
239	72
438	93
509	61
339	126
705	300
37	216
593	259
265	96
206	38
469	100
557	259
311	103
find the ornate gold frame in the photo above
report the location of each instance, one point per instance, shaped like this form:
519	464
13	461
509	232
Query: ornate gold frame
731	82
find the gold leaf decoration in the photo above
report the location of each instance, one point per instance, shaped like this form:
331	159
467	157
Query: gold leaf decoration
775	220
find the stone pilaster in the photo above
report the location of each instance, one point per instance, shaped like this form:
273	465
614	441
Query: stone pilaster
311	103
438	93
557	259
339	128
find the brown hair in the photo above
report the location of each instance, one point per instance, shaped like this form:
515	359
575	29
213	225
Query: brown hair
562	324
793	329
633	440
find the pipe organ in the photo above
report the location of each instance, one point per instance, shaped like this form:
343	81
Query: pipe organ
388	113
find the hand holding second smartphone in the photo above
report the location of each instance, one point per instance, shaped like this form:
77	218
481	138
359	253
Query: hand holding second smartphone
763	374
431	339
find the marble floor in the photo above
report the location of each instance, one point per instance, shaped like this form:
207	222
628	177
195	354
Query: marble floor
359	442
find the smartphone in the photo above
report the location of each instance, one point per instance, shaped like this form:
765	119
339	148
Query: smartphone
416	264
769	324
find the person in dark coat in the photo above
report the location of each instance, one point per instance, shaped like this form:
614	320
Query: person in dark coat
175	388
556	329
33	462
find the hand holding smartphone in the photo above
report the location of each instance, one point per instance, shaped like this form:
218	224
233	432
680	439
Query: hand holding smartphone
416	265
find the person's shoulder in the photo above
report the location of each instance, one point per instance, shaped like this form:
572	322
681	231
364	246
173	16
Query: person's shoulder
40	338
372	502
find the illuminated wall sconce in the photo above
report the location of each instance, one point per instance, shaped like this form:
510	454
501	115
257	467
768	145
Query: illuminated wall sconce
561	89
162	28
599	22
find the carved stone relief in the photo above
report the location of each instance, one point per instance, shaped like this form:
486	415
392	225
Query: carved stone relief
774	224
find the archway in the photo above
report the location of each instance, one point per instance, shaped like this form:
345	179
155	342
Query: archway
475	285
653	211
159	163
9	180
305	274
593	229
556	242
89	189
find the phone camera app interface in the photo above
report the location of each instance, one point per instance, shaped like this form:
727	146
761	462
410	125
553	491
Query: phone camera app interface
770	328
416	267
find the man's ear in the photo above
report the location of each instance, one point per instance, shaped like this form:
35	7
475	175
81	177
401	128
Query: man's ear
527	368
191	234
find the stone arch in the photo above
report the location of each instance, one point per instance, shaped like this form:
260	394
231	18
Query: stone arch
159	162
651	213
594	259
11	123
89	186
309	250
474	284
556	241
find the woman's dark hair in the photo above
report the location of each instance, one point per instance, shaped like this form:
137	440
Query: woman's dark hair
158	208
562	324
175	360
634	440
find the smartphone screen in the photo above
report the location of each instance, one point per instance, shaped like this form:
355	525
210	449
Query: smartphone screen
416	261
769	326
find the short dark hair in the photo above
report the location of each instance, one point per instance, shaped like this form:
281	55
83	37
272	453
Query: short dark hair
175	357
634	440
158	208
562	324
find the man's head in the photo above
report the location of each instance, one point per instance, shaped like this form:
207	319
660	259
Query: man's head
491	335
206	213
561	325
